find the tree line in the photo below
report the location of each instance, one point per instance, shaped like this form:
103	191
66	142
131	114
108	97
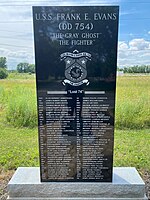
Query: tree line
136	69
21	68
24	67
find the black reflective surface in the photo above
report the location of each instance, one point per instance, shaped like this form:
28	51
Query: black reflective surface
76	55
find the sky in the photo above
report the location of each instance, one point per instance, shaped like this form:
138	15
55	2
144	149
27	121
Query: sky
16	29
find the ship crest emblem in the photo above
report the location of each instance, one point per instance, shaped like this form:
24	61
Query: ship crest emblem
75	70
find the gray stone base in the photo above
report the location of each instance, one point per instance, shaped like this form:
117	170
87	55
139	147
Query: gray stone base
127	185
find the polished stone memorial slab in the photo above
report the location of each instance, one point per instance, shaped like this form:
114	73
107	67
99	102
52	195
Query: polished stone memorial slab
26	185
76	64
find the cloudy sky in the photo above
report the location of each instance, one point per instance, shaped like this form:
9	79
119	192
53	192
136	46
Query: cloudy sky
16	30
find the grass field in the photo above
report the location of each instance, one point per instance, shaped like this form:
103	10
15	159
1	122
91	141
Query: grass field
18	102
16	76
18	121
19	147
133	102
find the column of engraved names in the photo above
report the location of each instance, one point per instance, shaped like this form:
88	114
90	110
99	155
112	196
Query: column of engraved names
79	138
42	137
59	157
95	136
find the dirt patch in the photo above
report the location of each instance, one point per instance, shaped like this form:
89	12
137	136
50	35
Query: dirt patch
146	178
6	176
4	179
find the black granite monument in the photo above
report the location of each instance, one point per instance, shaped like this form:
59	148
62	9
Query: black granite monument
76	55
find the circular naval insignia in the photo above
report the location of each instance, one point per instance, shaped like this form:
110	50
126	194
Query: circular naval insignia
75	71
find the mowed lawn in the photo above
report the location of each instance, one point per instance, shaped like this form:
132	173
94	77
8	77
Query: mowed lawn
19	147
18	119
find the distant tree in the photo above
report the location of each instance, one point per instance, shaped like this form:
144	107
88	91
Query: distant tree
25	68
3	62
147	69
119	69
31	68
125	70
137	69
22	67
3	73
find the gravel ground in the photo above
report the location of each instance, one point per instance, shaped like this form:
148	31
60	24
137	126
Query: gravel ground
146	178
5	177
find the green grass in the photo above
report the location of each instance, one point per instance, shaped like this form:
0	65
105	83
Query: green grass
16	75
132	149
18	98
133	102
21	109
19	143
18	101
19	147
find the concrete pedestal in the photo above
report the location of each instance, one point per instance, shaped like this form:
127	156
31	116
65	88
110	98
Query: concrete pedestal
127	185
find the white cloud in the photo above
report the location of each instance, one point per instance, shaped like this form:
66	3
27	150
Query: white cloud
139	44
16	39
16	36
135	52
122	46
14	57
